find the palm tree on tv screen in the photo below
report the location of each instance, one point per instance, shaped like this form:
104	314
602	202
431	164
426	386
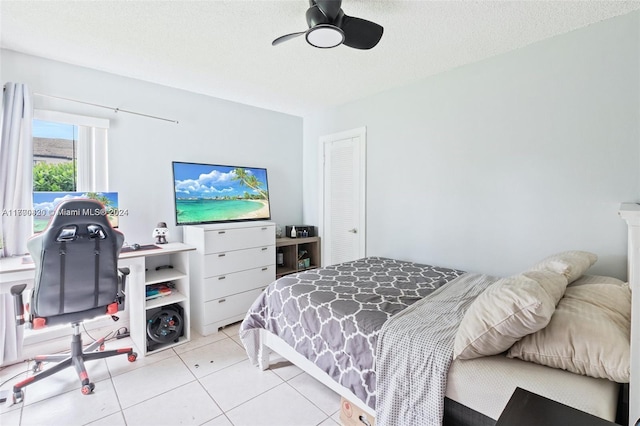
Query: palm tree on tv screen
249	180
101	198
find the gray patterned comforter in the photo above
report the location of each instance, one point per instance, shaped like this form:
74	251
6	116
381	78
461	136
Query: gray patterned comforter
333	315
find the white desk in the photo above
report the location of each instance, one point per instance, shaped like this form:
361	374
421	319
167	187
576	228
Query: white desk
142	264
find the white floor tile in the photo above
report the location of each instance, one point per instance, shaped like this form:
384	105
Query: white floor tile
116	419
238	383
151	380
162	388
213	357
198	341
10	418
187	405
63	409
11	375
120	364
321	396
236	339
219	421
232	329
329	422
283	368
280	406
64	381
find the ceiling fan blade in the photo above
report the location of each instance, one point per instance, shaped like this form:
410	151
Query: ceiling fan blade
330	8
284	38
315	16
360	33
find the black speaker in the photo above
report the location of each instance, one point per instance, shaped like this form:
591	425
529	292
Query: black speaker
165	326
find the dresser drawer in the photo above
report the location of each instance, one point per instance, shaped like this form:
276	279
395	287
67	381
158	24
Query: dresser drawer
229	306
238	282
222	240
238	260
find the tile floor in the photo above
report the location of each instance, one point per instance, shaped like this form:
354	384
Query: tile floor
207	381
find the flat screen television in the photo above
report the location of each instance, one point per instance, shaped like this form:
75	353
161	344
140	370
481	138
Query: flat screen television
213	193
45	203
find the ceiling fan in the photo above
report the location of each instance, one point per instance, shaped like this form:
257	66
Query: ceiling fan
330	27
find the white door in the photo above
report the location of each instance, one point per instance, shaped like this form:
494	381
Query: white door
343	196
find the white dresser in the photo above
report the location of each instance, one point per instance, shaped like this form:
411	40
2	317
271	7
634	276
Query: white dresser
232	264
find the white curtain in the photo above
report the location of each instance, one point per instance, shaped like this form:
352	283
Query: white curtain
16	170
16	186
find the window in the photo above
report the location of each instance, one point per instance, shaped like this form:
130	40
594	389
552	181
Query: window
54	156
69	152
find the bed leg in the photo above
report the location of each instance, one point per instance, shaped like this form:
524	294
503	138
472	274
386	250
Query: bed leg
263	357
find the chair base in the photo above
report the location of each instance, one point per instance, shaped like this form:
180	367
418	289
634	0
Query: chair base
76	358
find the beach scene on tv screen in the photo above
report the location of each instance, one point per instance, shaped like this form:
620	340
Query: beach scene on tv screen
45	203
211	193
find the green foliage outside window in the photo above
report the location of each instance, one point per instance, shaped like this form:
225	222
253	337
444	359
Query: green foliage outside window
54	177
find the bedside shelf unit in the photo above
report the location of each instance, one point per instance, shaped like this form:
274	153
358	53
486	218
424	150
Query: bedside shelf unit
232	264
143	266
291	248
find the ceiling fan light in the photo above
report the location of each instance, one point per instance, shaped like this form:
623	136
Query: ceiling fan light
325	36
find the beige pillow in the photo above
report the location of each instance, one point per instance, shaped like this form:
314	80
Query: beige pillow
506	311
596	279
571	264
588	333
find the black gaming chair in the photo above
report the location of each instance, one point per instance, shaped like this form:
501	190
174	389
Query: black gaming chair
76	278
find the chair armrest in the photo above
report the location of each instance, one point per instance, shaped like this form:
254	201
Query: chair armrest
18	304
122	283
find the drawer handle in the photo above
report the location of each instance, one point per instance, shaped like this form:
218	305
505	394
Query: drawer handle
264	229
265	268
222	278
222	255
222	300
222	232
264	248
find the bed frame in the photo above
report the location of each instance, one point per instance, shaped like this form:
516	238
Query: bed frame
630	212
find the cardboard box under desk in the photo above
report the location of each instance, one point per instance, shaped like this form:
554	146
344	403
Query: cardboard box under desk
352	415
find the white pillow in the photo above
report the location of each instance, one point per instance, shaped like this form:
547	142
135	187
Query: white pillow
571	264
588	334
506	311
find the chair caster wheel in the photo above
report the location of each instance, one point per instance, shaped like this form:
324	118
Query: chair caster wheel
18	397
87	389
132	356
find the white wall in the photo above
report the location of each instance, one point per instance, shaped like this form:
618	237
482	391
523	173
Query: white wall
210	130
491	166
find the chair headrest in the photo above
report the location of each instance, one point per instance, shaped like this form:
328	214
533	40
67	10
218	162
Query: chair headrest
76	218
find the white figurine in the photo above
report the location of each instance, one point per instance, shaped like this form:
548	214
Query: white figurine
161	232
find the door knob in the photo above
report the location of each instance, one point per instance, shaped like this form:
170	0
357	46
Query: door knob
353	231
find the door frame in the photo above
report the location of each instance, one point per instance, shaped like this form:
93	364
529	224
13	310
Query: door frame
361	133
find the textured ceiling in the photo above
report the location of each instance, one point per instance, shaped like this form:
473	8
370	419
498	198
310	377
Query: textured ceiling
223	48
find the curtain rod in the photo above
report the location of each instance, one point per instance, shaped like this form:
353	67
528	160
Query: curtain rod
107	107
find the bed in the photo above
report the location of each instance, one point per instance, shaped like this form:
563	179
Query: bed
401	340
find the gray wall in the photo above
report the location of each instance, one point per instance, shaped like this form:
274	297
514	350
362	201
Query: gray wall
491	166
210	130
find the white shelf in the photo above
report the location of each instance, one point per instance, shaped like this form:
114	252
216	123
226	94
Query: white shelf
174	297
143	266
163	275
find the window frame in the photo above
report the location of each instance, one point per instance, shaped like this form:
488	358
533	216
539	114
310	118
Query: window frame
92	148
